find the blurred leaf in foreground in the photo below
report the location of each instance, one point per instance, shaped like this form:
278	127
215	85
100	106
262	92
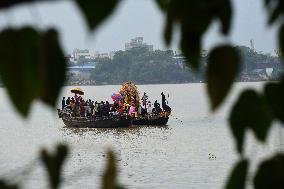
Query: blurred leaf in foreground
9	3
54	163
270	174
194	17
238	176
32	66
109	179
96	11
250	112
275	8
4	185
274	94
222	70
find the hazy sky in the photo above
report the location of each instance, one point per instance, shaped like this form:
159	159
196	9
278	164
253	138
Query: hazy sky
138	18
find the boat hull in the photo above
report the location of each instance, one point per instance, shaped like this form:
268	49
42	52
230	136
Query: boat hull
150	121
97	123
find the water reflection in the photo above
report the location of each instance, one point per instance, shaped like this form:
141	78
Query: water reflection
134	130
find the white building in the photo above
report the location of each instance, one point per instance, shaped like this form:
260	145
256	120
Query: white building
138	43
77	53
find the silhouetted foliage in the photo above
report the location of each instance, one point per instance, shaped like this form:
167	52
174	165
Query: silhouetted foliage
250	112
238	176
54	163
219	82
194	18
270	173
32	66
5	185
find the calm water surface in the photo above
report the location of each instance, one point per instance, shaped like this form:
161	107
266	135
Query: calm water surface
175	156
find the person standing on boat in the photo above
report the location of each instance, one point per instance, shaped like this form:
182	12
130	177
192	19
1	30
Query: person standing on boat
68	100
139	110
149	107
164	104
77	108
82	108
96	109
106	109
63	104
144	99
92	107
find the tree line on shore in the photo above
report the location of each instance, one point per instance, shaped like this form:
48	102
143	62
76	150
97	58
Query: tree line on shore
156	67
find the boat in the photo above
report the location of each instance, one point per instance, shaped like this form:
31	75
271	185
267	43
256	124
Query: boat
153	120
97	122
124	112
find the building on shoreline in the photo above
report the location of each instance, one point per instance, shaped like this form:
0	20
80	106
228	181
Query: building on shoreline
81	72
138	43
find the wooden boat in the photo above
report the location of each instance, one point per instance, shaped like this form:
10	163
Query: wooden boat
113	121
98	122
160	119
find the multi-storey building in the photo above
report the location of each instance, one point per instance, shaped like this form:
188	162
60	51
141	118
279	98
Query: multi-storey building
138	43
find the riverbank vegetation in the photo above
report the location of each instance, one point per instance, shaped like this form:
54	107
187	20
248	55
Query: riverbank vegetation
162	67
142	67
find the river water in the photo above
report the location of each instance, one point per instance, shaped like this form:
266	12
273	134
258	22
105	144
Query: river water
175	156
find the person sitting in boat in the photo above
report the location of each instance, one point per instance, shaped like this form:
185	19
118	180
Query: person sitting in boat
157	109
120	110
131	110
143	111
106	109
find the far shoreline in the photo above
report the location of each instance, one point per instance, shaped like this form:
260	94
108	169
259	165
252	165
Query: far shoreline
171	83
67	85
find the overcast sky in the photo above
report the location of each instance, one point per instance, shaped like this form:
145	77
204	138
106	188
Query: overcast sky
138	18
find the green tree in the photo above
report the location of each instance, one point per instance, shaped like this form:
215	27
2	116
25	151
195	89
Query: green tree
141	66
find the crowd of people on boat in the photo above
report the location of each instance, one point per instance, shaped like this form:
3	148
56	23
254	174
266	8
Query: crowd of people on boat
77	106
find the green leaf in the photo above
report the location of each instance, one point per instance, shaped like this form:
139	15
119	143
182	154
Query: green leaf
194	18
275	8
163	4
250	112
281	39
238	176
168	30
54	163
9	3
96	11
191	47
225	14
274	93
52	67
5	185
270	173
18	68
274	15
109	179
32	66
222	70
